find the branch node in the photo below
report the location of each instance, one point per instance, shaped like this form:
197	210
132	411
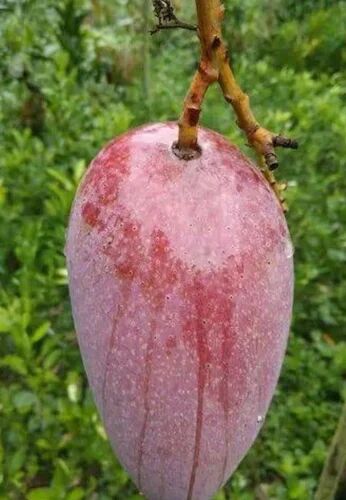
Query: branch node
207	72
216	42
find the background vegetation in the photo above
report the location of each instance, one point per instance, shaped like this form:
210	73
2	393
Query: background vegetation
72	77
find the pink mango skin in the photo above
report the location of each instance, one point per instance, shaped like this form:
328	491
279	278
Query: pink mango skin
181	282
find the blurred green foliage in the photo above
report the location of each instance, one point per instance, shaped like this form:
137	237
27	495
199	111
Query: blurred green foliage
72	78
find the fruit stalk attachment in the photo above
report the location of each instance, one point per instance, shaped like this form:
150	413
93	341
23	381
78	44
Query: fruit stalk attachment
215	66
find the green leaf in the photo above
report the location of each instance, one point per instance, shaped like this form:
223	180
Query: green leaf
16	461
76	494
40	332
40	494
15	363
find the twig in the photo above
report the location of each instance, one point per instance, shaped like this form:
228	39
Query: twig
187	147
177	24
207	73
164	11
262	140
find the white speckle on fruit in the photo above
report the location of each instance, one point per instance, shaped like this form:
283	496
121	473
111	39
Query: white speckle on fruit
289	249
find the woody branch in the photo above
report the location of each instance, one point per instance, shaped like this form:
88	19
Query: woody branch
215	66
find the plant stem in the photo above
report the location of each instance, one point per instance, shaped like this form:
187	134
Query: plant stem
214	66
261	139
209	31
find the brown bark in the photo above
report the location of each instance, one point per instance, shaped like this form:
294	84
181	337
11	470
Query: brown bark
209	14
215	66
